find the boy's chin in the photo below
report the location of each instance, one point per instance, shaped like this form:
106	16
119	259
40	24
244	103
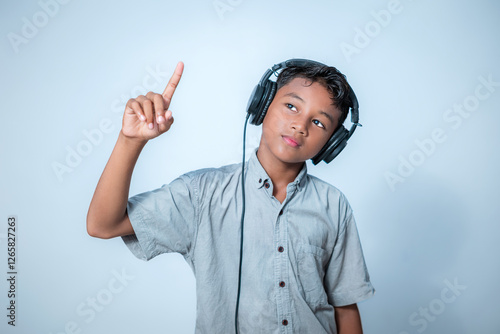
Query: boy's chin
283	154
291	158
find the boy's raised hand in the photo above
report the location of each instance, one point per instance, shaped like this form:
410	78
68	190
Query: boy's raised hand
147	117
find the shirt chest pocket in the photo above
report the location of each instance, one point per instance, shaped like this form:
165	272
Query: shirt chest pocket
311	262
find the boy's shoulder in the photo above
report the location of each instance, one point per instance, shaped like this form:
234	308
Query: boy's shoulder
212	177
214	171
328	193
324	186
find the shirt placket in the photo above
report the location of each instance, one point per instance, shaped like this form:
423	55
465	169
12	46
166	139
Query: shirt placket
281	263
281	272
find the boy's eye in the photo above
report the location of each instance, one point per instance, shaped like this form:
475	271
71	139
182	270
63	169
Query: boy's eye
318	123
291	106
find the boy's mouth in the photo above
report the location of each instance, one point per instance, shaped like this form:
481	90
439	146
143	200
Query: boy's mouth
290	141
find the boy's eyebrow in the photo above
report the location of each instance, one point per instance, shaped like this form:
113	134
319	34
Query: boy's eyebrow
330	118
292	94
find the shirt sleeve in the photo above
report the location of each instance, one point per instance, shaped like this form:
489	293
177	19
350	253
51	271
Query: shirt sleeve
164	220
347	280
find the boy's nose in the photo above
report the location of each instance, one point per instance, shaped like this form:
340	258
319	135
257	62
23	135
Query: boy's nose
300	125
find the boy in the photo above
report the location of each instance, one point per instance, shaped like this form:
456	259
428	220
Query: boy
303	267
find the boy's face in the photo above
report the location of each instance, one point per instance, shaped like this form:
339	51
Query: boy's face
298	123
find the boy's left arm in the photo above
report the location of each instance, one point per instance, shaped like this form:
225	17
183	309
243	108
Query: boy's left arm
348	319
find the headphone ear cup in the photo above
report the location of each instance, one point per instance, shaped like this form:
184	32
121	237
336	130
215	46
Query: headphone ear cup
267	98
254	102
332	154
333	146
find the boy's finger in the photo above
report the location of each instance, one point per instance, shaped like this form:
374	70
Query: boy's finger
159	108
165	126
135	107
172	83
147	106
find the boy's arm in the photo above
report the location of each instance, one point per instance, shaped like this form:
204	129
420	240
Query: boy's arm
107	217
348	320
145	118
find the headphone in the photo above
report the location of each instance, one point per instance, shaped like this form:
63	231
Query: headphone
263	94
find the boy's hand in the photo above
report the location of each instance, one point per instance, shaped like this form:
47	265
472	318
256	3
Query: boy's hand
147	117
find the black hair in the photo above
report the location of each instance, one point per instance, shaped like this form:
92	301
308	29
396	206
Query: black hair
329	77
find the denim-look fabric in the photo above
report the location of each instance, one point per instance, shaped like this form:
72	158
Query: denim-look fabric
300	257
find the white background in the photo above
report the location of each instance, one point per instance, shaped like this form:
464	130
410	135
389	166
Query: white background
436	223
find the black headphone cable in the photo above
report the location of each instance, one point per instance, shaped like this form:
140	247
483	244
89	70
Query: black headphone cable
241	232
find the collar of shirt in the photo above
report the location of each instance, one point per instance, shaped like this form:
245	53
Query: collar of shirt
259	178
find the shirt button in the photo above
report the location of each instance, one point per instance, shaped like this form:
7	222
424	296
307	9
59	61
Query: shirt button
280	249
266	184
260	180
281	212
282	284
285	322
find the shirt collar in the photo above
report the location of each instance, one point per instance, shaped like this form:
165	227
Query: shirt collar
258	175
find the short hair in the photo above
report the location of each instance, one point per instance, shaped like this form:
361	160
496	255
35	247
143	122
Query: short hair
327	76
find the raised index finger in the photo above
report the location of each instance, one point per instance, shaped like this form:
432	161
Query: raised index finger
172	83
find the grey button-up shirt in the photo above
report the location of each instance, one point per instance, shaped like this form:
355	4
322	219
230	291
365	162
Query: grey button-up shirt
301	257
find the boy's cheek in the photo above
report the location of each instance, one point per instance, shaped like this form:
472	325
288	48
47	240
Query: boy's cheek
322	141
